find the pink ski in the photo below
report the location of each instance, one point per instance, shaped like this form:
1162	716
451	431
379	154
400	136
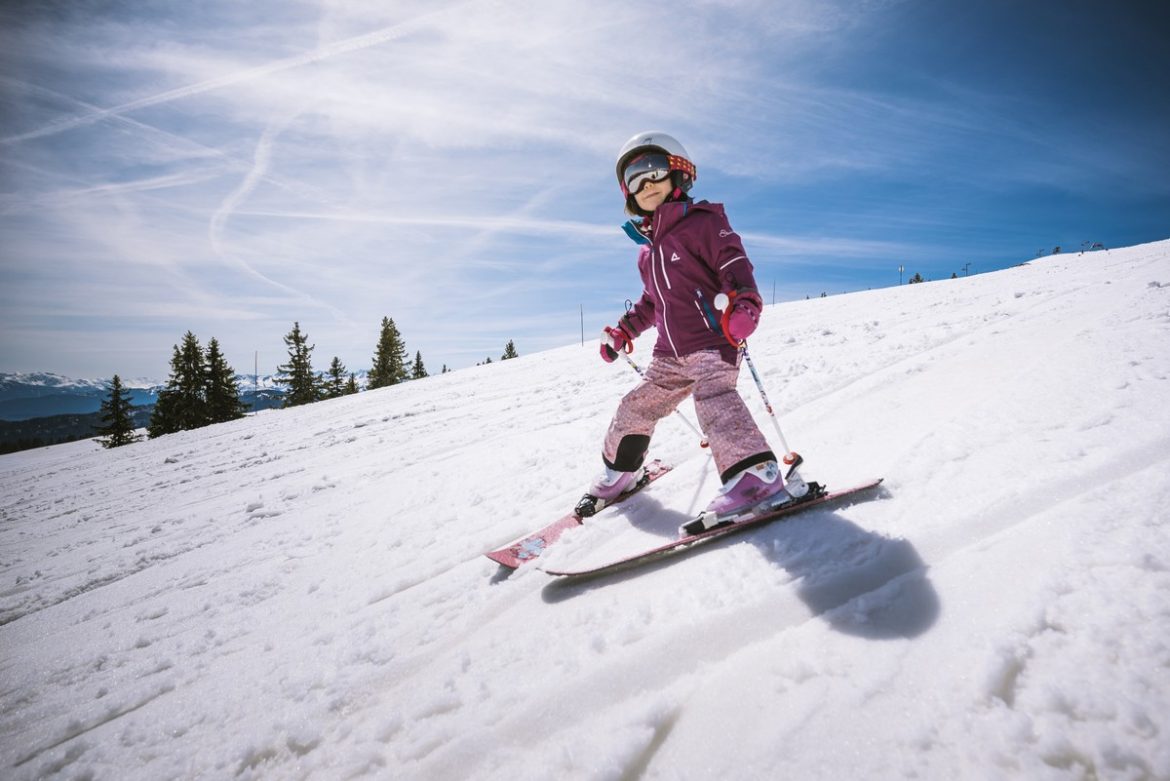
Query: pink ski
531	546
683	543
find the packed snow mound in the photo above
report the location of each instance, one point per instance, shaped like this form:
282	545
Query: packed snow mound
301	594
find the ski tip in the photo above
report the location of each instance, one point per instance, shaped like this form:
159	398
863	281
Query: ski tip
503	559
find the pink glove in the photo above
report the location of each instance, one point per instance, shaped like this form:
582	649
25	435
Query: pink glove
615	340
741	316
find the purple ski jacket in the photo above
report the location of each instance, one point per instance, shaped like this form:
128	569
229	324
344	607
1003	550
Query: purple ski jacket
692	255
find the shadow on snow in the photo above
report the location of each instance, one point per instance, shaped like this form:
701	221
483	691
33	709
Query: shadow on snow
862	583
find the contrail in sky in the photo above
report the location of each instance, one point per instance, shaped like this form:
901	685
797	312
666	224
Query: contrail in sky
323	53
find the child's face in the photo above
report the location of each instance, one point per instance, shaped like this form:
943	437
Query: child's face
652	194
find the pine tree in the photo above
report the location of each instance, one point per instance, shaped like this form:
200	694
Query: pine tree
418	371
182	404
389	358
351	387
193	406
335	385
220	388
916	279
303	385
510	351
164	416
118	428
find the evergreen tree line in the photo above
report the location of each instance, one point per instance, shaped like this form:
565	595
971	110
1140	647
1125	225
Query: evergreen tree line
390	366
509	352
202	387
201	390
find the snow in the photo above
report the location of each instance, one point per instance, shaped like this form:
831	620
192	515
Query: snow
301	594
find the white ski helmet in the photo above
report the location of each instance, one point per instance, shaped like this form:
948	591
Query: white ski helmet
657	141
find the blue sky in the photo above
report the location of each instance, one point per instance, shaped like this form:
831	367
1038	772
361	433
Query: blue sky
230	168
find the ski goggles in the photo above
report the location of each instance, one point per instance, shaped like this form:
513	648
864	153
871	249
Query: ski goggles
643	169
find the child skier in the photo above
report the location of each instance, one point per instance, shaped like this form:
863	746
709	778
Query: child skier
688	255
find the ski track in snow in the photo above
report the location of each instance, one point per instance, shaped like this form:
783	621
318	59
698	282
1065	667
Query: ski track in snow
302	594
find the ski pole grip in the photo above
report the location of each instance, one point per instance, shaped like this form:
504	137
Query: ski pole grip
723	306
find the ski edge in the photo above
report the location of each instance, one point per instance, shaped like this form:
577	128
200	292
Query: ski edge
694	540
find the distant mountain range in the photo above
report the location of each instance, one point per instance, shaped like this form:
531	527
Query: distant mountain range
42	394
44	408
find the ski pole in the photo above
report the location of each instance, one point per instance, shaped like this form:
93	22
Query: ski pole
792	459
702	438
763	394
793	482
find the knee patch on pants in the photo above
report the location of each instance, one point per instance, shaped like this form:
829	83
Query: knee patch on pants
631	452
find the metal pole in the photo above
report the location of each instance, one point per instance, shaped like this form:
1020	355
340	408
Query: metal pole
794	483
722	302
764	395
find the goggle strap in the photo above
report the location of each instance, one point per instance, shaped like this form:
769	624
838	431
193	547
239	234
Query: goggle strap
682	164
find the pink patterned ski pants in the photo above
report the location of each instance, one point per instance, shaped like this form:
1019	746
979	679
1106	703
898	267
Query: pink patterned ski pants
723	417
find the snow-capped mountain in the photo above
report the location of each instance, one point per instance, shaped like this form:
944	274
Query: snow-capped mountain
24	396
33	395
302	593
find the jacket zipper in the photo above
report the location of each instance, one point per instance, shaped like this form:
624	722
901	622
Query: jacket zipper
710	319
662	298
662	262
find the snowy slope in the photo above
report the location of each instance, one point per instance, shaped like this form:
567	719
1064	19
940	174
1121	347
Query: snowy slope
301	594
